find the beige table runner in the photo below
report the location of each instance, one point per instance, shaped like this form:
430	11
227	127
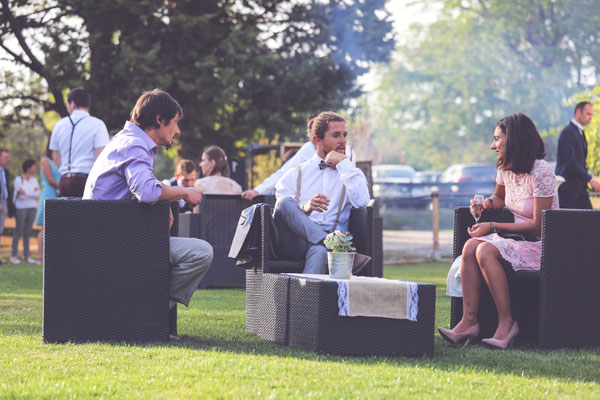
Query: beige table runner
374	297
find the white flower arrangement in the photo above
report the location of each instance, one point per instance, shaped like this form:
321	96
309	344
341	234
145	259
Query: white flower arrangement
339	242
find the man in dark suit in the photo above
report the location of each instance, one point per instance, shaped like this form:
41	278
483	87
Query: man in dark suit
7	207
571	161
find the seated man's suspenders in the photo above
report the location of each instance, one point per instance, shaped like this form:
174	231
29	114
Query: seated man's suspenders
340	205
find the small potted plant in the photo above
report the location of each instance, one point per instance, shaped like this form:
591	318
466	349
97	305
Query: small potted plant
341	255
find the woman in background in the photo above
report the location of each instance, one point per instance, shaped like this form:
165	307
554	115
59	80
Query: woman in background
215	169
27	190
50	179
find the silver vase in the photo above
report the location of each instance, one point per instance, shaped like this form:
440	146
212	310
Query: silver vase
340	264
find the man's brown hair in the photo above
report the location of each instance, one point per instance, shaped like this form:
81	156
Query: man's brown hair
185	166
317	125
152	104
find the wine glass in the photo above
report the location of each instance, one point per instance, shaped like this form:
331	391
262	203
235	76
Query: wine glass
477	207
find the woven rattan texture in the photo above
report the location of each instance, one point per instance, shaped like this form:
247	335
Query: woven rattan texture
106	271
363	231
359	218
314	324
570	281
524	286
253	298
273	324
219	215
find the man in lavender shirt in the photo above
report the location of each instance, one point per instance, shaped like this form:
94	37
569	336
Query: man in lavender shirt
124	170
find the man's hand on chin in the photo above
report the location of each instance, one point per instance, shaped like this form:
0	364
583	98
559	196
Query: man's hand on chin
334	157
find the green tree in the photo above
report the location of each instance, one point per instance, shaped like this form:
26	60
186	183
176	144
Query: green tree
484	59
237	67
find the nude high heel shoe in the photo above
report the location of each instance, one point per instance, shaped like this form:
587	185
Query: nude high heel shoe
507	342
463	338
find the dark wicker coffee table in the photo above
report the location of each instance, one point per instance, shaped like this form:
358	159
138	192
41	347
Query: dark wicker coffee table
303	312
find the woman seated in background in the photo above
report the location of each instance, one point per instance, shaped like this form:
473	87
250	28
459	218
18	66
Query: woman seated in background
215	171
526	186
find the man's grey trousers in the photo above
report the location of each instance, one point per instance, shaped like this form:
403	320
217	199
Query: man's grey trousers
298	237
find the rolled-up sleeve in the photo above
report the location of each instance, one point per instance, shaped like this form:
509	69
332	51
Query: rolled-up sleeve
140	177
355	182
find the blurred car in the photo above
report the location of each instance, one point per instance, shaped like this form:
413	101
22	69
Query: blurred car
459	182
458	173
393	173
428	176
397	185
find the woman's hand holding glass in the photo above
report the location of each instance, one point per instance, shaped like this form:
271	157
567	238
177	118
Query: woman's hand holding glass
477	206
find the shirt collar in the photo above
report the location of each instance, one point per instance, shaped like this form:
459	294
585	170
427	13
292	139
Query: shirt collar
315	159
577	124
78	114
137	131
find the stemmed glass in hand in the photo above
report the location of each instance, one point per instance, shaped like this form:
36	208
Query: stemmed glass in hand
477	207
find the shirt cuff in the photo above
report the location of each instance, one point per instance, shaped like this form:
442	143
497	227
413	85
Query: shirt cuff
345	165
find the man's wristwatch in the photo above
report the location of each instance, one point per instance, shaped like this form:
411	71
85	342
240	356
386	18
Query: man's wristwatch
492	201
492	229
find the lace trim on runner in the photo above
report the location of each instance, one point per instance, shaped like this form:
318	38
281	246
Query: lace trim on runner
342	292
413	301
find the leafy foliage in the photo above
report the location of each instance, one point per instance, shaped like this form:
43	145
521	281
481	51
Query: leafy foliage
237	68
484	59
339	242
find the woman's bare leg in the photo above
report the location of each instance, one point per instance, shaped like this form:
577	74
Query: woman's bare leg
490	260
471	280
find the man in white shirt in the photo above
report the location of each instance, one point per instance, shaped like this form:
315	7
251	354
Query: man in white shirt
305	152
76	142
315	198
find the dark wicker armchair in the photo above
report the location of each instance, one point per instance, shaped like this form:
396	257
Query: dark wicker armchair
361	226
106	271
216	223
557	306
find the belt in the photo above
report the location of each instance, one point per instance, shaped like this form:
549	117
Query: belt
74	174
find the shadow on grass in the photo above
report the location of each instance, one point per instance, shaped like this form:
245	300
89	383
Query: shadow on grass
573	365
216	319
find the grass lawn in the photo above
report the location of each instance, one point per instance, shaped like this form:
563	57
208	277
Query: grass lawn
218	359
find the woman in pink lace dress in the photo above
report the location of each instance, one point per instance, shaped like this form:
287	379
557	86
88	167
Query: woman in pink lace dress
526	185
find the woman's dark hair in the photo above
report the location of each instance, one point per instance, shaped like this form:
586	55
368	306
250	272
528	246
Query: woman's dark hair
524	144
317	125
28	164
80	97
216	154
155	103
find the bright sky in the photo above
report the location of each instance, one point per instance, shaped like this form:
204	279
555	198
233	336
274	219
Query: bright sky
404	13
